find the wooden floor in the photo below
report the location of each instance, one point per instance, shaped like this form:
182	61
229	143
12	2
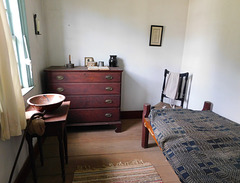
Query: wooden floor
97	146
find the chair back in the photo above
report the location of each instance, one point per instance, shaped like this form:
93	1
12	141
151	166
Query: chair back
181	91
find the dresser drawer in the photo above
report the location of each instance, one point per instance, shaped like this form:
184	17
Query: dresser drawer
85	88
83	77
93	101
93	115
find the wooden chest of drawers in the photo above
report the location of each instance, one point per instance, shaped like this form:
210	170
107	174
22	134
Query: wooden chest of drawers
95	95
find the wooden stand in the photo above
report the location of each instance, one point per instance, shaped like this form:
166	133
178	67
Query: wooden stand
55	123
95	95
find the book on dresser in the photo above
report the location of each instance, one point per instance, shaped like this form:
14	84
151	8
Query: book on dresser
95	95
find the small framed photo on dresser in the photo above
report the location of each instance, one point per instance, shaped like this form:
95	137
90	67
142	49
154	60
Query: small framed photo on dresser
156	35
88	59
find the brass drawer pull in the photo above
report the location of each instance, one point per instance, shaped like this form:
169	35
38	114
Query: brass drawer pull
109	101
108	115
60	89
109	88
60	77
109	77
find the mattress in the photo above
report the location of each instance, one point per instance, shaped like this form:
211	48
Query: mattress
201	146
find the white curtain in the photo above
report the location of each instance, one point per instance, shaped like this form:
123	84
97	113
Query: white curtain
12	109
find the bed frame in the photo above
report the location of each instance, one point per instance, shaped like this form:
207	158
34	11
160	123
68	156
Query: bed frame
146	126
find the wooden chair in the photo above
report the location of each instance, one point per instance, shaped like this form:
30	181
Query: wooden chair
183	78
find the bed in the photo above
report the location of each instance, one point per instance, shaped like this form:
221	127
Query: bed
201	146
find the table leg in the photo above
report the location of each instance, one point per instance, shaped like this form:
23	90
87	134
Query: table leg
31	154
65	145
61	152
39	141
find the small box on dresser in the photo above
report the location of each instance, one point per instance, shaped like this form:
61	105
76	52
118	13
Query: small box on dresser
95	95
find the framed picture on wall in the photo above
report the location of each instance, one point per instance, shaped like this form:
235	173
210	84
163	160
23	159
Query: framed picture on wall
156	35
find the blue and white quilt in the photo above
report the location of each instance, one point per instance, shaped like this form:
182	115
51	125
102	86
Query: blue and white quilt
201	146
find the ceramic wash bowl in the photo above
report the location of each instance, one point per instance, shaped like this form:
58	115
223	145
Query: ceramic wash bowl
46	102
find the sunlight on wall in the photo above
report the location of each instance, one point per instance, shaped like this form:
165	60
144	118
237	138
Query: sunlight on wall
212	55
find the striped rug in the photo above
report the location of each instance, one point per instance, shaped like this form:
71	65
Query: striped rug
135	171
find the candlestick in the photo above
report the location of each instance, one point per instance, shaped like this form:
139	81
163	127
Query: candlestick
69	59
69	65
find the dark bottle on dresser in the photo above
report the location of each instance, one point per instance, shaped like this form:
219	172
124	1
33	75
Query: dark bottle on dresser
113	61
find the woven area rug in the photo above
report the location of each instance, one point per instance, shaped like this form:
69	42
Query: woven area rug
135	171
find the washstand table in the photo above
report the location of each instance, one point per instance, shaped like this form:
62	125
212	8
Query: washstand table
55	125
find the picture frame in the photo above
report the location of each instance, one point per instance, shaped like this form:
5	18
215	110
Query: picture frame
88	59
156	33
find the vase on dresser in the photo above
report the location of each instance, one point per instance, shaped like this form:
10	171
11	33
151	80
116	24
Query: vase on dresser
113	61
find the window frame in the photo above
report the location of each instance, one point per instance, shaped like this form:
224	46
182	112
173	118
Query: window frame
21	45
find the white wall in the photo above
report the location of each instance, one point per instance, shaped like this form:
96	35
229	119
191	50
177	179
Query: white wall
99	28
212	55
9	148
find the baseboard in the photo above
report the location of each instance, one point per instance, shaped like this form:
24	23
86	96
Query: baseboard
131	114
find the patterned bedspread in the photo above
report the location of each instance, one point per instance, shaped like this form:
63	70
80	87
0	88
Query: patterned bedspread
201	146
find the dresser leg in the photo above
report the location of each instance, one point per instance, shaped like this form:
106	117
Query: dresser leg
118	128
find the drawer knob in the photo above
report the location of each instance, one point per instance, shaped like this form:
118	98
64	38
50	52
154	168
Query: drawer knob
109	88
60	89
109	101
109	77
60	77
108	115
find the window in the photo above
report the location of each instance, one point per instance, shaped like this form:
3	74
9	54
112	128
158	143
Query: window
15	10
